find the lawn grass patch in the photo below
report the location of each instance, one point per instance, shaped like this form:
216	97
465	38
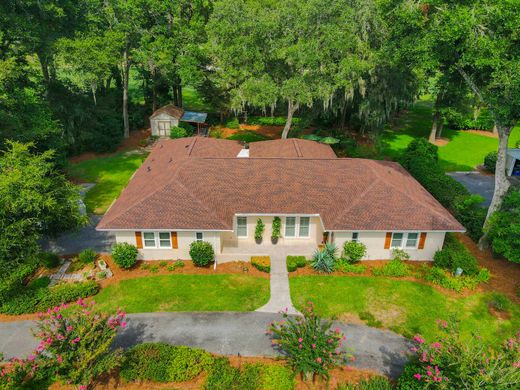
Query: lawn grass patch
111	174
464	151
404	306
222	292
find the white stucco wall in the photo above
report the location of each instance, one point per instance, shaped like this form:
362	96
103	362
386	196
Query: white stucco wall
184	240
162	117
375	243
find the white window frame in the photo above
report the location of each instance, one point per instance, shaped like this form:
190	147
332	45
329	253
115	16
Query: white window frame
201	236
156	240
247	231
297	223
404	240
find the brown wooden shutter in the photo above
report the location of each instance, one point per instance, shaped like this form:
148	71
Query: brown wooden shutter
422	240
138	240
175	243
388	240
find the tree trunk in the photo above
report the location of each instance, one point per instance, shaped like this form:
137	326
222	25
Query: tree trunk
435	125
343	115
93	89
291	109
44	64
495	129
440	127
179	94
175	96
126	71
501	182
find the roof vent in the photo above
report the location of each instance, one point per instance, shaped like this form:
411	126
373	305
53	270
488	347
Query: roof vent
244	153
148	169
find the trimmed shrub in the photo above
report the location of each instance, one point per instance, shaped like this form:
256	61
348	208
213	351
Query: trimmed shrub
277	378
222	376
455	255
295	262
354	251
259	229
186	363
148	361
124	255
261	263
178	132
277	225
50	259
490	161
395	268
471	214
202	253
87	256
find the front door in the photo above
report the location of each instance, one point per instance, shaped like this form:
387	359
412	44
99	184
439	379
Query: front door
164	128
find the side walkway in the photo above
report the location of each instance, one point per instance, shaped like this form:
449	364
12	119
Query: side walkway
227	333
280	298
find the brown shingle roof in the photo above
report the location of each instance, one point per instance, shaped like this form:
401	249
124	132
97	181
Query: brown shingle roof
169	109
292	147
205	193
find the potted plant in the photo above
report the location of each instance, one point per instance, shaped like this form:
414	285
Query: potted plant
275	235
259	230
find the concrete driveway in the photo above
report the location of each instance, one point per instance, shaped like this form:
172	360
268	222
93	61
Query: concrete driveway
477	183
228	333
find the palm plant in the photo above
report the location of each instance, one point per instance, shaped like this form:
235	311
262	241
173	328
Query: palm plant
322	261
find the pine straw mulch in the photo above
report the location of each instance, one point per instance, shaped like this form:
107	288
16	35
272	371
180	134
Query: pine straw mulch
340	375
130	143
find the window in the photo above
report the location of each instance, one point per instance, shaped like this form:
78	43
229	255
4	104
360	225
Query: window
290	226
165	240
411	240
164	127
355	236
397	240
241	226
199	236
304	227
149	239
405	240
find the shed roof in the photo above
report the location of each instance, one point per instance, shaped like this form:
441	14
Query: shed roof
169	109
192	116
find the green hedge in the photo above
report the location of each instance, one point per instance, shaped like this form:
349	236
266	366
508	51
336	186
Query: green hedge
36	298
455	255
295	262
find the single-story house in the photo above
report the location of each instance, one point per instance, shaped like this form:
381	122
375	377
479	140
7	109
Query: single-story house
164	118
215	190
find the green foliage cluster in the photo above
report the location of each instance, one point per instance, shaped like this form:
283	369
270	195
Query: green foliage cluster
347	267
373	383
160	362
261	263
87	256
394	268
270	120
178	132
124	254
49	259
324	260
38	297
276	228
455	255
178	264
295	262
458	121
504	227
444	279
259	229
247	136
353	252
421	161
490	161
309	343
201	253
459	363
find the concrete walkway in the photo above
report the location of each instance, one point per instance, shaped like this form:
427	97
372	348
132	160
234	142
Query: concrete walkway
227	333
280	298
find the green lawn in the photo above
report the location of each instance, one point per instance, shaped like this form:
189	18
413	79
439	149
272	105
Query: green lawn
403	306
464	151
111	174
223	292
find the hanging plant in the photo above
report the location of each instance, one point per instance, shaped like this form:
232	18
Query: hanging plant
259	230
277	224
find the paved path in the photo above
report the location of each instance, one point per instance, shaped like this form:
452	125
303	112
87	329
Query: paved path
227	333
280	298
477	183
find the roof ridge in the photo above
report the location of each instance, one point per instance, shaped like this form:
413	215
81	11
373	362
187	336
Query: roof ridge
192	145
297	147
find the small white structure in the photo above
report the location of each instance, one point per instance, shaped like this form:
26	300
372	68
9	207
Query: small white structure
513	162
163	119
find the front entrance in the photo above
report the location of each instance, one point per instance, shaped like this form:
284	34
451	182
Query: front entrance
163	128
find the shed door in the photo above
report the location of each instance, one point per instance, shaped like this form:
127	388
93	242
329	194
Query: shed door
164	128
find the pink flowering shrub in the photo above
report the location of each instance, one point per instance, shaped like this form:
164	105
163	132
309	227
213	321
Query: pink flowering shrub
74	347
453	363
309	343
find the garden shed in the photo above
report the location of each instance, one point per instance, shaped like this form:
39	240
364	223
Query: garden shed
513	162
164	118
